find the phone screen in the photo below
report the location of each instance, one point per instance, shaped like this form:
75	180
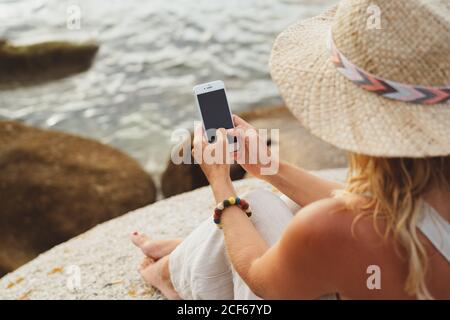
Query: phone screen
215	113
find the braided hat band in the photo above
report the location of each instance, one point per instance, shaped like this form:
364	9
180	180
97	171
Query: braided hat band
386	88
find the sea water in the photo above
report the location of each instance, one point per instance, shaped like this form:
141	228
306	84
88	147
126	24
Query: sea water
151	55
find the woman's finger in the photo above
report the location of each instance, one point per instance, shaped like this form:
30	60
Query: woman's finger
232	132
199	136
239	131
223	142
221	135
197	133
198	143
238	121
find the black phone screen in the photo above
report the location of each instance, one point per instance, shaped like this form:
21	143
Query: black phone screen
215	113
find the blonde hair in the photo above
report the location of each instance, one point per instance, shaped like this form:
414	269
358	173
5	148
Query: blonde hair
396	187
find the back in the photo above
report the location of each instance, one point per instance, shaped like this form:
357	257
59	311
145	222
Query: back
364	252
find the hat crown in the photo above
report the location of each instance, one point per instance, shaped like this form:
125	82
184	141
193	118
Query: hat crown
407	41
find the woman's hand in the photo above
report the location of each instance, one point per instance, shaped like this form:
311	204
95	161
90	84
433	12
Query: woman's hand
213	158
254	154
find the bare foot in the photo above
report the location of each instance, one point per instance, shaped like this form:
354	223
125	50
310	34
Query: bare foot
155	249
156	273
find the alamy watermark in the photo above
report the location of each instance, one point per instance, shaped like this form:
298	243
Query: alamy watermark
73	280
374	280
73	20
374	19
252	144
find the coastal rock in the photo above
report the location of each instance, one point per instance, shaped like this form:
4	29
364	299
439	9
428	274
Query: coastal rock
296	145
102	263
54	185
37	63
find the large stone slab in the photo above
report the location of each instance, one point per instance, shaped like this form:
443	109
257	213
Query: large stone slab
106	260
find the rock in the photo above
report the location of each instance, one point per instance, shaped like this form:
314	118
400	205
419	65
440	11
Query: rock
296	146
105	261
53	186
37	63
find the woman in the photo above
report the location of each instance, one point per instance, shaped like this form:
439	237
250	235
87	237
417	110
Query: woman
383	95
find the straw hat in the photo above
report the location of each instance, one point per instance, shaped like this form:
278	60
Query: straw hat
409	54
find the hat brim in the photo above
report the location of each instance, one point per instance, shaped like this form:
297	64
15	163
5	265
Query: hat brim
343	114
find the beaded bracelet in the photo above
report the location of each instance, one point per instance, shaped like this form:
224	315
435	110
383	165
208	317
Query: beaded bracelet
241	203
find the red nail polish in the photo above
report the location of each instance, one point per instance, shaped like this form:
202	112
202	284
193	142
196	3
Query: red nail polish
135	233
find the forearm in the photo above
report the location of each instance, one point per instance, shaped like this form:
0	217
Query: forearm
243	243
300	185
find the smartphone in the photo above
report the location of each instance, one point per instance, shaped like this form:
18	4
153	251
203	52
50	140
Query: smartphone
215	112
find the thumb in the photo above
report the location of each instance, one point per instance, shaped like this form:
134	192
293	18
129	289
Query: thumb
238	121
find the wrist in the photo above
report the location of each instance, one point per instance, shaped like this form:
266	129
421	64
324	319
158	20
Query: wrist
219	180
222	189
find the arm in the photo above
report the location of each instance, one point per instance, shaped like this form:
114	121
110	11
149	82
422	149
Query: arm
298	184
294	267
298	266
243	242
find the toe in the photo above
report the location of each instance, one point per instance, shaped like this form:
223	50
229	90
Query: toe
149	247
139	239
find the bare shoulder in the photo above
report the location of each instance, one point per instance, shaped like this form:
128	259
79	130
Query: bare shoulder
321	231
326	220
319	237
331	219
341	249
